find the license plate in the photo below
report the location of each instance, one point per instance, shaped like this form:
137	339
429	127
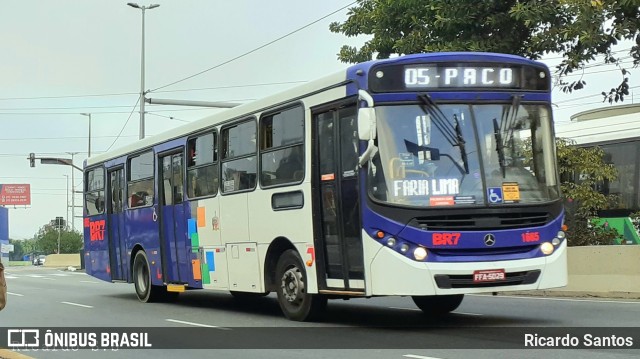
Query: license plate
492	275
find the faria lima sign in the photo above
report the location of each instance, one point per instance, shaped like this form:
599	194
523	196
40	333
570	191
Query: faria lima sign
15	194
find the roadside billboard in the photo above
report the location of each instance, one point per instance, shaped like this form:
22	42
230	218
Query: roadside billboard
15	194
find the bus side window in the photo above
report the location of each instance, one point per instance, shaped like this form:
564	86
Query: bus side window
239	165
202	166
282	147
94	196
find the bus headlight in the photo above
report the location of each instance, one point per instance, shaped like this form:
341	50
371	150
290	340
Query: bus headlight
555	241
391	241
420	253
404	248
546	248
561	235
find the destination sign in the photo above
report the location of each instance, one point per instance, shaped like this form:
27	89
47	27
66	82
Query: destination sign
432	76
464	77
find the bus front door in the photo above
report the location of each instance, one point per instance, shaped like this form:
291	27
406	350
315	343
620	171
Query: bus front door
338	239
173	246
117	250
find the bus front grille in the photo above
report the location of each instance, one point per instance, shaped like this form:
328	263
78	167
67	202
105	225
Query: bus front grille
462	222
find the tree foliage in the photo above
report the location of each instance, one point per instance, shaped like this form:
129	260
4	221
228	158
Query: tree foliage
582	171
47	240
22	248
579	30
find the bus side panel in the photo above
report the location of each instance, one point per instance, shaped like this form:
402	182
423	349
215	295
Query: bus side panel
189	258
172	247
140	228
97	245
212	253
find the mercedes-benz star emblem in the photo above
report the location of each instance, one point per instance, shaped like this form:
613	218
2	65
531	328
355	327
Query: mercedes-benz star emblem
489	240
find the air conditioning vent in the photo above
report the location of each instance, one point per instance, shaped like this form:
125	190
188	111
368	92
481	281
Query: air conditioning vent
469	222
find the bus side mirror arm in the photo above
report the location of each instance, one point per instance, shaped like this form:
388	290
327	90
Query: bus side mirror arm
367	127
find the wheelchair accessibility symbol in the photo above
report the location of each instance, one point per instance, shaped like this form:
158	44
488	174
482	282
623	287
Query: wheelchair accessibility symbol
494	194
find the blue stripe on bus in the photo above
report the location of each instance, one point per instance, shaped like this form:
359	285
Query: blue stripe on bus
191	222
210	262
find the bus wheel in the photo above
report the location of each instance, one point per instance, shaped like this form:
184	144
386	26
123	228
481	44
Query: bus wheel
438	304
295	302
142	280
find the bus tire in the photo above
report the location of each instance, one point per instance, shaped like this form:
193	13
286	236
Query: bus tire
295	302
145	291
438	304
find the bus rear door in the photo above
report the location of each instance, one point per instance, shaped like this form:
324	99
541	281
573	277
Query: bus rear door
173	246
338	239
117	250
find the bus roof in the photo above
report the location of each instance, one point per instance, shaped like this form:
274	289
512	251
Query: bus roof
296	92
240	111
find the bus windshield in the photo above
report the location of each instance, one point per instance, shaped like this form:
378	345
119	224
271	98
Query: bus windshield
464	154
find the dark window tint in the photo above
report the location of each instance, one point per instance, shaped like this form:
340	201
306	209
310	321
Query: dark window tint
282	129
239	163
141	166
239	140
202	150
282	149
140	188
202	167
117	190
94	194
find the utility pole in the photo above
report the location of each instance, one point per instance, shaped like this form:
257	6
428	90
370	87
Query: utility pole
73	196
143	8
67	176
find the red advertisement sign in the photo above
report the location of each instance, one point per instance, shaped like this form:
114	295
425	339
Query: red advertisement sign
15	194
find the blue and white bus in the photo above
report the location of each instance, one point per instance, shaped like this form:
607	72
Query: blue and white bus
428	175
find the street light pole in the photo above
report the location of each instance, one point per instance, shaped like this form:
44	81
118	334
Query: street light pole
67	200
88	114
73	196
143	8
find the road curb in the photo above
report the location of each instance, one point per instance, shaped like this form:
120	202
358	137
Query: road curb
9	354
574	294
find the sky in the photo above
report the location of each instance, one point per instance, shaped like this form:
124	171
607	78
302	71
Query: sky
59	59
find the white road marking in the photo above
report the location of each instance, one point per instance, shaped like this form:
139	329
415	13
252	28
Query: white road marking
414	309
78	305
196	324
10	277
89	281
16	294
418	356
60	274
558	299
465	313
419	310
35	276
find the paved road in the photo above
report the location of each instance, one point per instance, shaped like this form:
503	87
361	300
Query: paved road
44	297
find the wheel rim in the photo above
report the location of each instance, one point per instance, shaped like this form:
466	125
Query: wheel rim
143	277
292	286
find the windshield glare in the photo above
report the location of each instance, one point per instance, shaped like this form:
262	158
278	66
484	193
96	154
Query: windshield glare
463	154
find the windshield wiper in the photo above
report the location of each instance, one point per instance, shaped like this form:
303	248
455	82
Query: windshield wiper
509	118
453	134
461	143
499	147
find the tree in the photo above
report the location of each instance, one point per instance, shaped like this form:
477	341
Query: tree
21	248
578	30
582	171
47	240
